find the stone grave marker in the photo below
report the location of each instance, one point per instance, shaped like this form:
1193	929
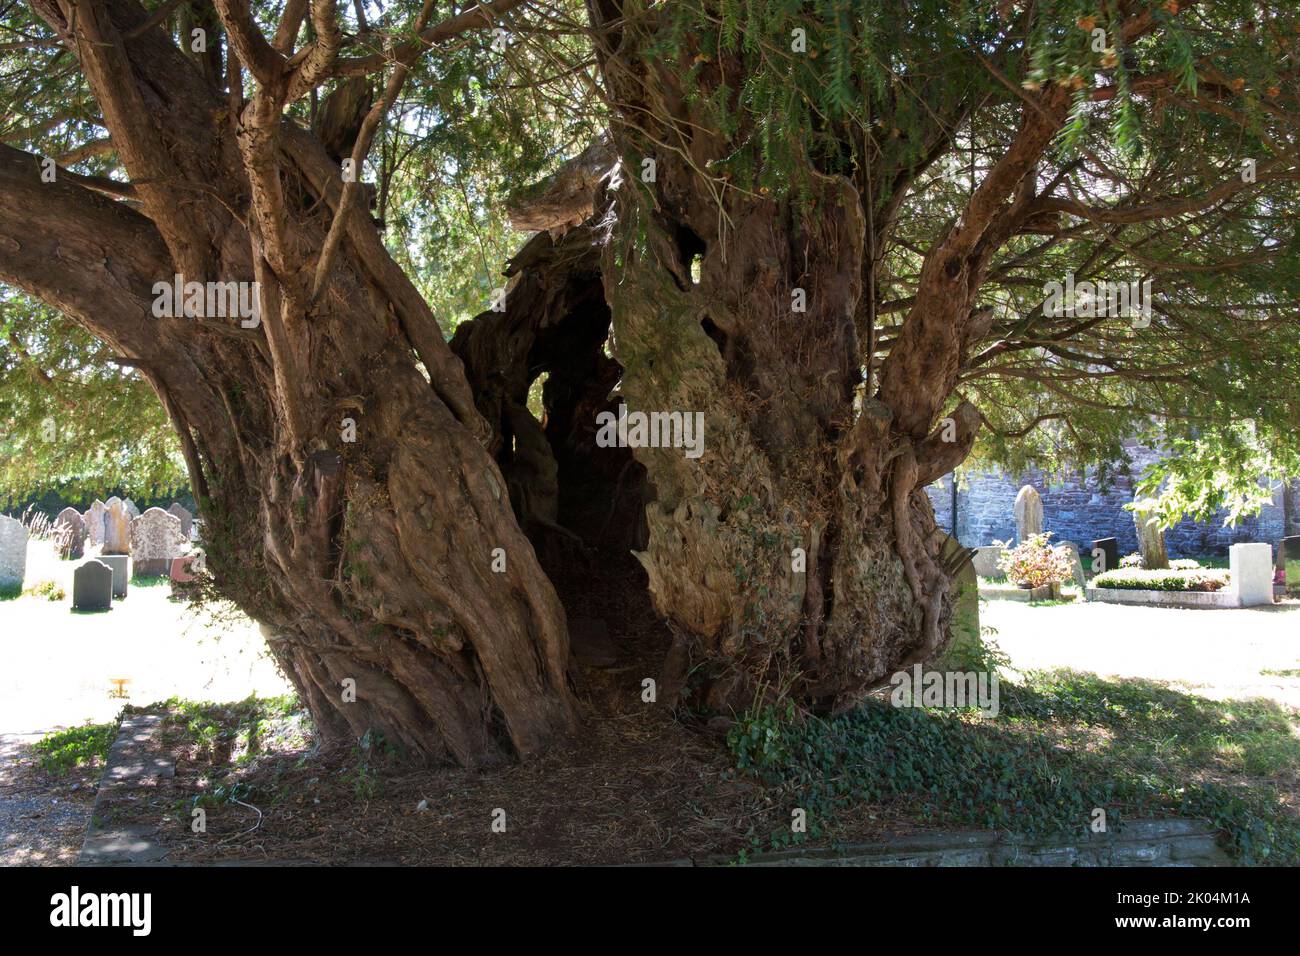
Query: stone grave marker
1151	537
187	519
986	561
1288	558
131	509
121	565
1250	573
1080	579
966	642
13	555
95	523
70	532
155	540
181	570
1110	555
92	586
117	528
1029	514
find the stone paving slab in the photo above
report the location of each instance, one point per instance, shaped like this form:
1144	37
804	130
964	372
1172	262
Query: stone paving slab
136	760
1178	843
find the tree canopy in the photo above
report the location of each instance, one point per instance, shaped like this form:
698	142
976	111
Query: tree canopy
1147	182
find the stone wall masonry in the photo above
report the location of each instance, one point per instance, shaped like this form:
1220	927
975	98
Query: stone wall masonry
1075	508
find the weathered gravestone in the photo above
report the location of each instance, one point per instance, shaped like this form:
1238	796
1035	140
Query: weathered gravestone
95	523
965	650
131	509
155	540
92	586
13	555
1109	548
1288	559
1080	580
1029	514
70	533
117	528
183	513
1151	537
121	565
986	561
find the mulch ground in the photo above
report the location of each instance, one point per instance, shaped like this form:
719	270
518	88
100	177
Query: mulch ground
43	815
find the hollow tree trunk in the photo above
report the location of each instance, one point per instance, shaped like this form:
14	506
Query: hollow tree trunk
799	555
370	562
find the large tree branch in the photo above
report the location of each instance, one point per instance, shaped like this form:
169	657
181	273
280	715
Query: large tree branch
91	257
478	17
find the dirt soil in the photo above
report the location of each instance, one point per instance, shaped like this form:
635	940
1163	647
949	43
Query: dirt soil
43	816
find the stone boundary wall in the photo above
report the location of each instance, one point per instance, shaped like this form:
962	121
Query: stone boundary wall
1076	509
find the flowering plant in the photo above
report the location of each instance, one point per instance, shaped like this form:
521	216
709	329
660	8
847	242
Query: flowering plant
1034	563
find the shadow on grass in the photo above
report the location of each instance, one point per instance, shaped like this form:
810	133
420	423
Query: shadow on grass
1064	744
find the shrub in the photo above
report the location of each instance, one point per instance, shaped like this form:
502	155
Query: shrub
1034	563
49	590
62	750
1138	579
1185	564
1133	560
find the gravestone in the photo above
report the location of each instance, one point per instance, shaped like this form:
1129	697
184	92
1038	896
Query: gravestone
1151	537
121	565
187	519
131	509
1029	514
13	555
95	523
1110	553
155	540
1250	573
1288	559
117	528
181	570
1080	580
986	561
70	532
92	586
965	649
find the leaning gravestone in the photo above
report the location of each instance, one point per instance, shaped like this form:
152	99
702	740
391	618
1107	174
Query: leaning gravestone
70	531
1151	537
986	561
131	509
121	565
965	648
1080	580
1029	514
187	519
117	528
1110	554
95	523
92	586
155	539
13	555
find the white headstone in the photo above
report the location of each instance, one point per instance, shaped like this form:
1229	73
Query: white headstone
1250	570
13	553
117	528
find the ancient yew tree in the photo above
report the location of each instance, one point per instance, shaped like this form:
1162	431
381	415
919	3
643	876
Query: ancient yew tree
826	227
